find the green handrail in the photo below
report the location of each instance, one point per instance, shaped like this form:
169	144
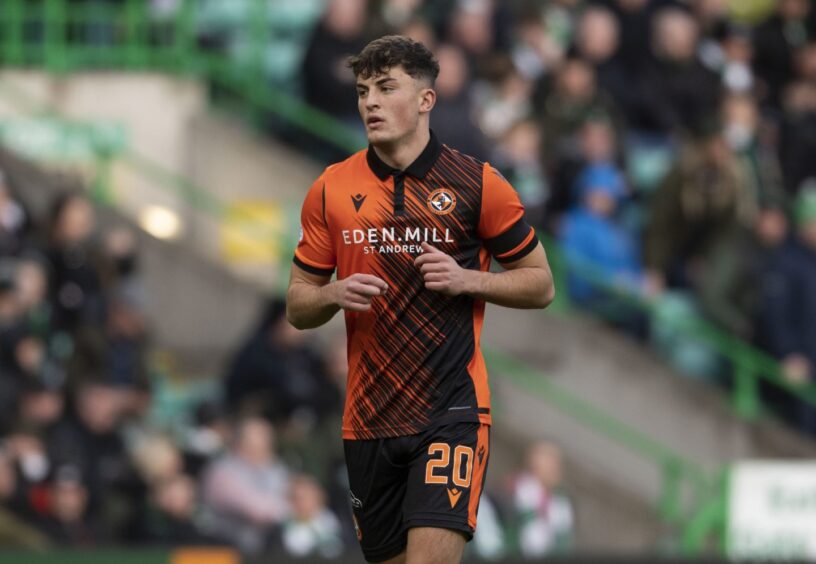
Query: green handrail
133	48
749	363
676	469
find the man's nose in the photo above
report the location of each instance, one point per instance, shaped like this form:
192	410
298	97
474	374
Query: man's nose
372	101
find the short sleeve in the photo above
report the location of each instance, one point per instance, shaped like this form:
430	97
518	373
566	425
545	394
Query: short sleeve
314	252
502	226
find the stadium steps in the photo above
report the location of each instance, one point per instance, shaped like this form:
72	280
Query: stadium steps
608	370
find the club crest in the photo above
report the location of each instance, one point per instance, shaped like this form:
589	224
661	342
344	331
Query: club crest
442	201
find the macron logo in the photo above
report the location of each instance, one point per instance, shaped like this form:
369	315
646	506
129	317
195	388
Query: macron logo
358	201
453	496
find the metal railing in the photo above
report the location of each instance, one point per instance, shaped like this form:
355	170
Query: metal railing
685	486
63	36
748	364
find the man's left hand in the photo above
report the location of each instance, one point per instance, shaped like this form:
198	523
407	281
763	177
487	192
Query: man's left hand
441	272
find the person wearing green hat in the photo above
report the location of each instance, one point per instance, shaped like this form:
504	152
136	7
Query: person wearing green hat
788	307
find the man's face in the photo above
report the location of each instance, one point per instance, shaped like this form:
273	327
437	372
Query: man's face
391	104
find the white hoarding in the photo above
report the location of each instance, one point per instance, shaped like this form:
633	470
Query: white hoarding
772	510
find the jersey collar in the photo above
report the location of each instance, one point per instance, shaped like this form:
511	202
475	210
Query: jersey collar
418	169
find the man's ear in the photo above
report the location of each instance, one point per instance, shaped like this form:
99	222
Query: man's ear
427	100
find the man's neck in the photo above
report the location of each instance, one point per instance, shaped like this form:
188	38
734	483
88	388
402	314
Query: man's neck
402	153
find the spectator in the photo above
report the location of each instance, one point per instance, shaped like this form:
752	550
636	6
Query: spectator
775	42
561	18
311	529
157	458
597	145
34	463
278	374
175	518
760	167
89	440
398	13
42	404
420	30
328	83
205	438
69	522
731	278
597	42
731	58
574	100
535	52
15	532
31	285
702	198
75	286
518	158
471	27
599	247
675	90
454	114
246	488
505	101
32	363
788	301
798	134
127	345
711	16
543	514
635	18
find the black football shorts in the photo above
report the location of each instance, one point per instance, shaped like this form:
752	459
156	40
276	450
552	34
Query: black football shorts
433	479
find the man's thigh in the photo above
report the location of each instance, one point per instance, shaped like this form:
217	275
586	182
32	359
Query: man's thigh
377	490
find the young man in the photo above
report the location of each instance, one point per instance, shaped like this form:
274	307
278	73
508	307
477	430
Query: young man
410	225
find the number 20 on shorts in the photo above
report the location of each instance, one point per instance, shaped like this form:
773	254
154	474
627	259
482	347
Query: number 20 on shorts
440	454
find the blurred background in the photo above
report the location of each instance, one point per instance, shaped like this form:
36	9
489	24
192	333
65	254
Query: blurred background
154	159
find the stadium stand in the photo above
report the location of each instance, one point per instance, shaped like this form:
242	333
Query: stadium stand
693	120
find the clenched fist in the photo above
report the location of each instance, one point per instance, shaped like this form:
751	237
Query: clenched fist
441	272
356	292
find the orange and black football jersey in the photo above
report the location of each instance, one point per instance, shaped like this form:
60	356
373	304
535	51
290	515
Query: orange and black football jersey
414	357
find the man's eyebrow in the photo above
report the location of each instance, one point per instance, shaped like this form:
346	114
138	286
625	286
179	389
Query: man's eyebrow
384	80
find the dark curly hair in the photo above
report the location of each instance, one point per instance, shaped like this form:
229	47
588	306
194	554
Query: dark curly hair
392	51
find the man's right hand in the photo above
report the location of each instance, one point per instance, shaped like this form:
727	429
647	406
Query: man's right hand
356	292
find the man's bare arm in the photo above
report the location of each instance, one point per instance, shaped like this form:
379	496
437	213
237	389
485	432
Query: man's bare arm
313	300
526	283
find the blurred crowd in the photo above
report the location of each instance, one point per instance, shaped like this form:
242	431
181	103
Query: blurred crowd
666	144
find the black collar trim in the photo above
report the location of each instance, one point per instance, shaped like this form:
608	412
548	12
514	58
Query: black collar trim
418	169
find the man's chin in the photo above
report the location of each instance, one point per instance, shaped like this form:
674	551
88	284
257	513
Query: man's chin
379	137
